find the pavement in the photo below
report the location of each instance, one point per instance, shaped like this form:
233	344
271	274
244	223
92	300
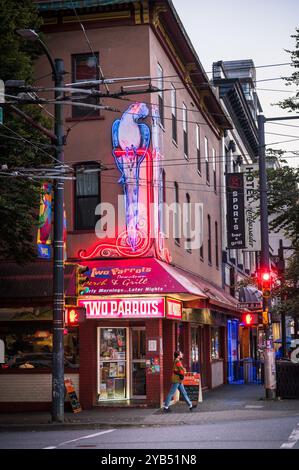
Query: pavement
232	402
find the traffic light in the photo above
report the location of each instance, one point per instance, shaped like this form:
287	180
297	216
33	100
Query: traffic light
81	280
266	281
265	317
74	315
250	319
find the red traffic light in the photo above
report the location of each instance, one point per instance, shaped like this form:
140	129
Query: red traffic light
250	319
266	276
74	315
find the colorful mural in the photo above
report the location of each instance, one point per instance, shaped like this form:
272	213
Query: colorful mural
45	222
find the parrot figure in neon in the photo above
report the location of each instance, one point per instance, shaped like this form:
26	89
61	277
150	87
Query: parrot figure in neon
130	140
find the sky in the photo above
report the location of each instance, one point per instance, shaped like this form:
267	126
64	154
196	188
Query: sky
259	30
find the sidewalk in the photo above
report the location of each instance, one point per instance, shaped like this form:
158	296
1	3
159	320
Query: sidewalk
228	402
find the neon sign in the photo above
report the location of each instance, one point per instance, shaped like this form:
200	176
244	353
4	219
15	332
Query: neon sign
124	308
136	162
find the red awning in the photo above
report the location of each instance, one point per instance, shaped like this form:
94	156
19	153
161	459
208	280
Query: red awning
151	276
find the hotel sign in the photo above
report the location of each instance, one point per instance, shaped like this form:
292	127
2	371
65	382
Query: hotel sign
235	211
251	201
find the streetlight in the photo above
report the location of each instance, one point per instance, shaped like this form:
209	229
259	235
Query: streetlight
57	66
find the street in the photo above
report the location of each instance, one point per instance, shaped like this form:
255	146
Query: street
271	433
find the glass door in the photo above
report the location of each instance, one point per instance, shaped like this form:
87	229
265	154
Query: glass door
138	379
112	364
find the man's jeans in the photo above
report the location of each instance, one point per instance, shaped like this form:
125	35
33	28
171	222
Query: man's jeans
173	389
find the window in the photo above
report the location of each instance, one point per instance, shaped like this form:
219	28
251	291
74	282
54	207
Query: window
188	223
87	195
185	130
162	198
173	114
209	241
177	219
214	169
216	245
207	161
161	93
198	148
215	343
30	346
85	68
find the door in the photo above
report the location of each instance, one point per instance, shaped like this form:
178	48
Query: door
112	364
204	357
138	364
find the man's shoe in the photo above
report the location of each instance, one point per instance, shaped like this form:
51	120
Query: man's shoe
167	410
192	407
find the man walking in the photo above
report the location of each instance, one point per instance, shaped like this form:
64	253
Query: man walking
178	373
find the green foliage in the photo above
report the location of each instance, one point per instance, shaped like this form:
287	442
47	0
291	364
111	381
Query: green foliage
19	198
283	201
291	103
287	289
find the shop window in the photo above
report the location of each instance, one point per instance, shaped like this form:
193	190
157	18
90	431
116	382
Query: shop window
195	364
87	195
215	343
85	68
30	347
180	344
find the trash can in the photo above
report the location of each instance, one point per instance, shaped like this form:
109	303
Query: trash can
248	370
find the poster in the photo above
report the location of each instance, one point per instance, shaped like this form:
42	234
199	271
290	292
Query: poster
44	240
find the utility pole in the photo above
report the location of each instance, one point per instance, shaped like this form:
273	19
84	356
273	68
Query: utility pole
58	255
269	360
269	354
58	242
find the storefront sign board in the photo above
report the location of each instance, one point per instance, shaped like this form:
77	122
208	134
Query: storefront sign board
141	307
174	309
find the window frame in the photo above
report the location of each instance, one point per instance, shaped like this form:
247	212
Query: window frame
209	240
198	155
174	114
85	112
207	160
185	131
177	221
160	84
77	226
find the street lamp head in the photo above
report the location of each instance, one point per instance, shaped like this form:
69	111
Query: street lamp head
28	34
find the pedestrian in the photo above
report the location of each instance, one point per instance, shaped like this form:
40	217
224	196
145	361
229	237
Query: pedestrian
177	378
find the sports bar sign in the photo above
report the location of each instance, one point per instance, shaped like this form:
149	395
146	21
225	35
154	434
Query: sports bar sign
235	211
127	308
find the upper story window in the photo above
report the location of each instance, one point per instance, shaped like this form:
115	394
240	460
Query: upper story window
160	84
207	160
188	222
85	68
185	130
216	245
209	240
87	195
177	213
197	130
174	114
214	169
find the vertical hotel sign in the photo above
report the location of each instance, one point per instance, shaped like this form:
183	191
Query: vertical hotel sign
252	219
235	211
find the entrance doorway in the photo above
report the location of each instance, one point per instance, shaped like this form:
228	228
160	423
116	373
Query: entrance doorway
138	369
121	363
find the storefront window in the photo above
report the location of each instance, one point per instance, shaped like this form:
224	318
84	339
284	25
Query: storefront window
215	343
30	347
180	337
113	363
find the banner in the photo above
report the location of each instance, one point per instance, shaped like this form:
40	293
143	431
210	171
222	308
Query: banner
45	222
252	203
235	211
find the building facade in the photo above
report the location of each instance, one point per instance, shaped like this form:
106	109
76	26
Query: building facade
154	265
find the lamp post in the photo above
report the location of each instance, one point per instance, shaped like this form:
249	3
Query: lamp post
57	66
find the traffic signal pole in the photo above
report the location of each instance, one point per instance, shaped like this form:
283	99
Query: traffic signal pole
269	354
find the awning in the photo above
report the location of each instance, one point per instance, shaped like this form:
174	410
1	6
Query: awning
140	276
32	280
250	294
151	276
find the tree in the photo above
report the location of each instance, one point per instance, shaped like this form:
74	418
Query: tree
291	103
19	198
